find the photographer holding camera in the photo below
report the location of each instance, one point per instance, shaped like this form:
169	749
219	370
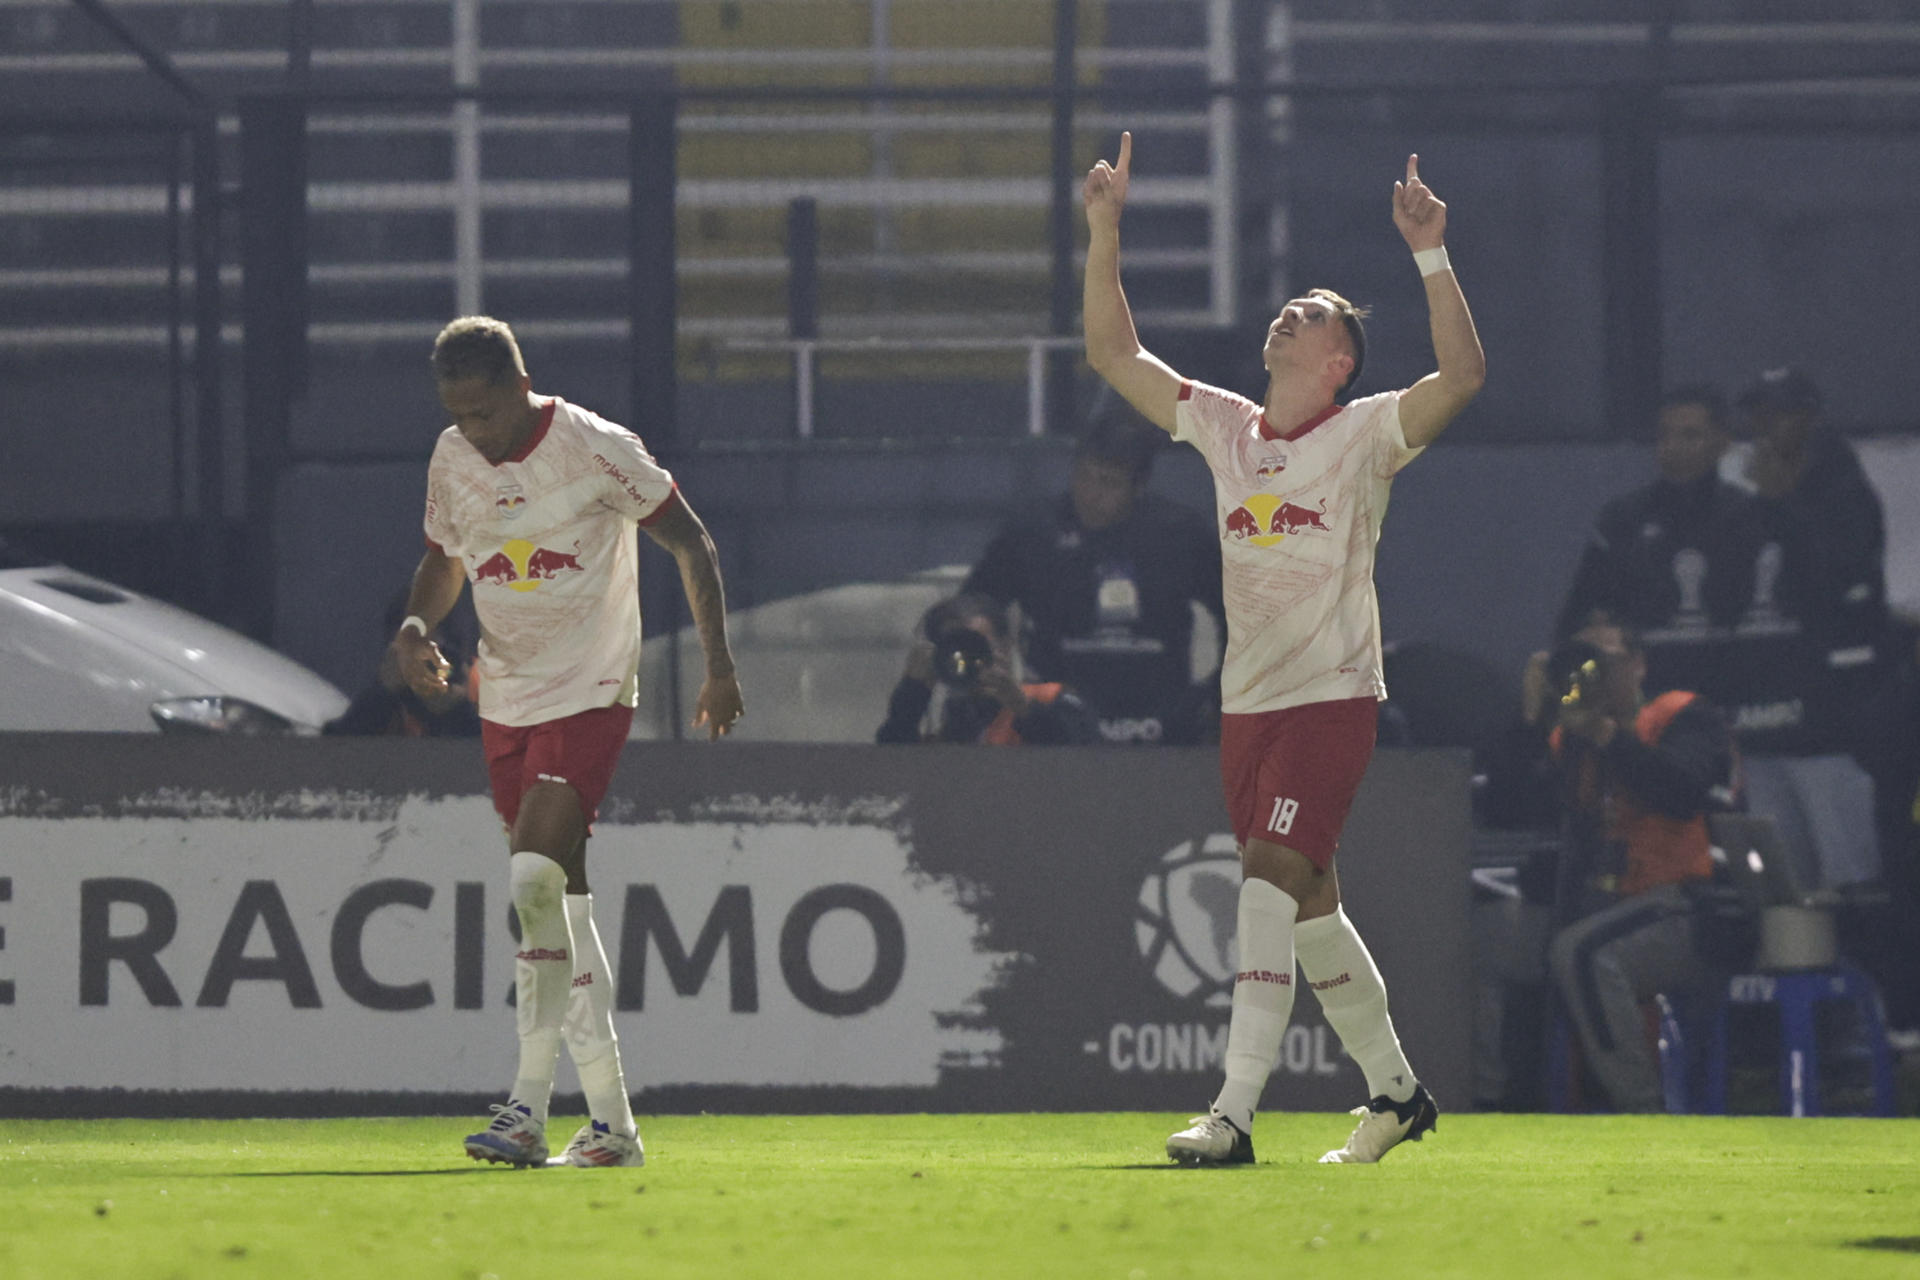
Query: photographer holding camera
959	686
1107	577
1636	780
1625	909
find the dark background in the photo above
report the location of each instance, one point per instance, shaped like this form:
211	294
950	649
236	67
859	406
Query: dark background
1642	195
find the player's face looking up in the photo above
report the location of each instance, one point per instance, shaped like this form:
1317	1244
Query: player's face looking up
1306	338
495	417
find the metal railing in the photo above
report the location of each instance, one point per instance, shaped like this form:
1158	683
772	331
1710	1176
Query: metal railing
474	188
806	352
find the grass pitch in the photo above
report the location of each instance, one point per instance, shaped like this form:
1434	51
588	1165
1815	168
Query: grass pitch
1001	1197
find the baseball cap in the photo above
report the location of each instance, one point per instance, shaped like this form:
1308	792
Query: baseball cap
1785	388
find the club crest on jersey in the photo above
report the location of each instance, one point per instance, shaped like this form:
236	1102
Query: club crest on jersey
1270	467
522	566
510	502
1264	520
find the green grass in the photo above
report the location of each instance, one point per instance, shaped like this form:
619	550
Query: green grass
1000	1197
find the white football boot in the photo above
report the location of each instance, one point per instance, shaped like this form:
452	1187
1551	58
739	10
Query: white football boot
514	1138
1211	1139
1384	1125
598	1147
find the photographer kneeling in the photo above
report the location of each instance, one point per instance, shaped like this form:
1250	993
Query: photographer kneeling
1637	780
959	686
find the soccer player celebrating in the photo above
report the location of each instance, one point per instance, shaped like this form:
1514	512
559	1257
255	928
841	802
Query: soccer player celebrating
1300	485
534	501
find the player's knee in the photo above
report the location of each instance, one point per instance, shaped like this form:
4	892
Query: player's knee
552	802
539	884
1293	874
551	820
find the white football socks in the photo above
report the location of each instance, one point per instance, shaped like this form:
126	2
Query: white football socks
542	975
1262	998
589	1027
1354	1000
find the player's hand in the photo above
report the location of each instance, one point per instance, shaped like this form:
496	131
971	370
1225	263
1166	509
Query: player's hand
455	693
1420	215
1105	190
420	663
719	705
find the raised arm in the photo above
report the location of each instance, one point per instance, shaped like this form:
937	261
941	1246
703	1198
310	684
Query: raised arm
1113	347
437	581
1431	403
685	538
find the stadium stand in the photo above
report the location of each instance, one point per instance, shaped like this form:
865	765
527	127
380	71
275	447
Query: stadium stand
933	213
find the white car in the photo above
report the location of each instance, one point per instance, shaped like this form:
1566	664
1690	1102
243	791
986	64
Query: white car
813	668
78	653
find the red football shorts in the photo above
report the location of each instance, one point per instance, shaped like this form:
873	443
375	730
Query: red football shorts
1290	775
579	750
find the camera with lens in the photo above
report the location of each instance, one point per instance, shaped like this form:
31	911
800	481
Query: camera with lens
960	655
1573	673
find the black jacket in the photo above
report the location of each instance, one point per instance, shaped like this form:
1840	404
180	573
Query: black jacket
1636	566
1110	611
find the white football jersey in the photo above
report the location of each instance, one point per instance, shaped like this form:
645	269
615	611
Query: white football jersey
1299	516
547	537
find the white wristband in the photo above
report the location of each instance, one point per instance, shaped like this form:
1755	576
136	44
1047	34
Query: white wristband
1432	260
414	621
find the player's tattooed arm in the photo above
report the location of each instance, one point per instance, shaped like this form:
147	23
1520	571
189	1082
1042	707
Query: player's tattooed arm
437	582
680	532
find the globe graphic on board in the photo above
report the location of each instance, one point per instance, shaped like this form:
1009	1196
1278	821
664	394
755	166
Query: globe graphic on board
1185	916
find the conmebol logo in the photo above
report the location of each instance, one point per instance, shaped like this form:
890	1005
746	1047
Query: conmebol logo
1185	919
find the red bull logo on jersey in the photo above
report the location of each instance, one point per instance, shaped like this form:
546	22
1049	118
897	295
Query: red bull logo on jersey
523	566
1271	467
1265	520
510	501
1292	518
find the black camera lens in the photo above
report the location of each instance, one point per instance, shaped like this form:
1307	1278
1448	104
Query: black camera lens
960	654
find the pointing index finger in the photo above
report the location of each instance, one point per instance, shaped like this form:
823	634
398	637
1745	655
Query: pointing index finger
1126	154
1413	169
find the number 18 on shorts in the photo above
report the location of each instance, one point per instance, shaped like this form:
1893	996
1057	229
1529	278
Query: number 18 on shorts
1290	775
